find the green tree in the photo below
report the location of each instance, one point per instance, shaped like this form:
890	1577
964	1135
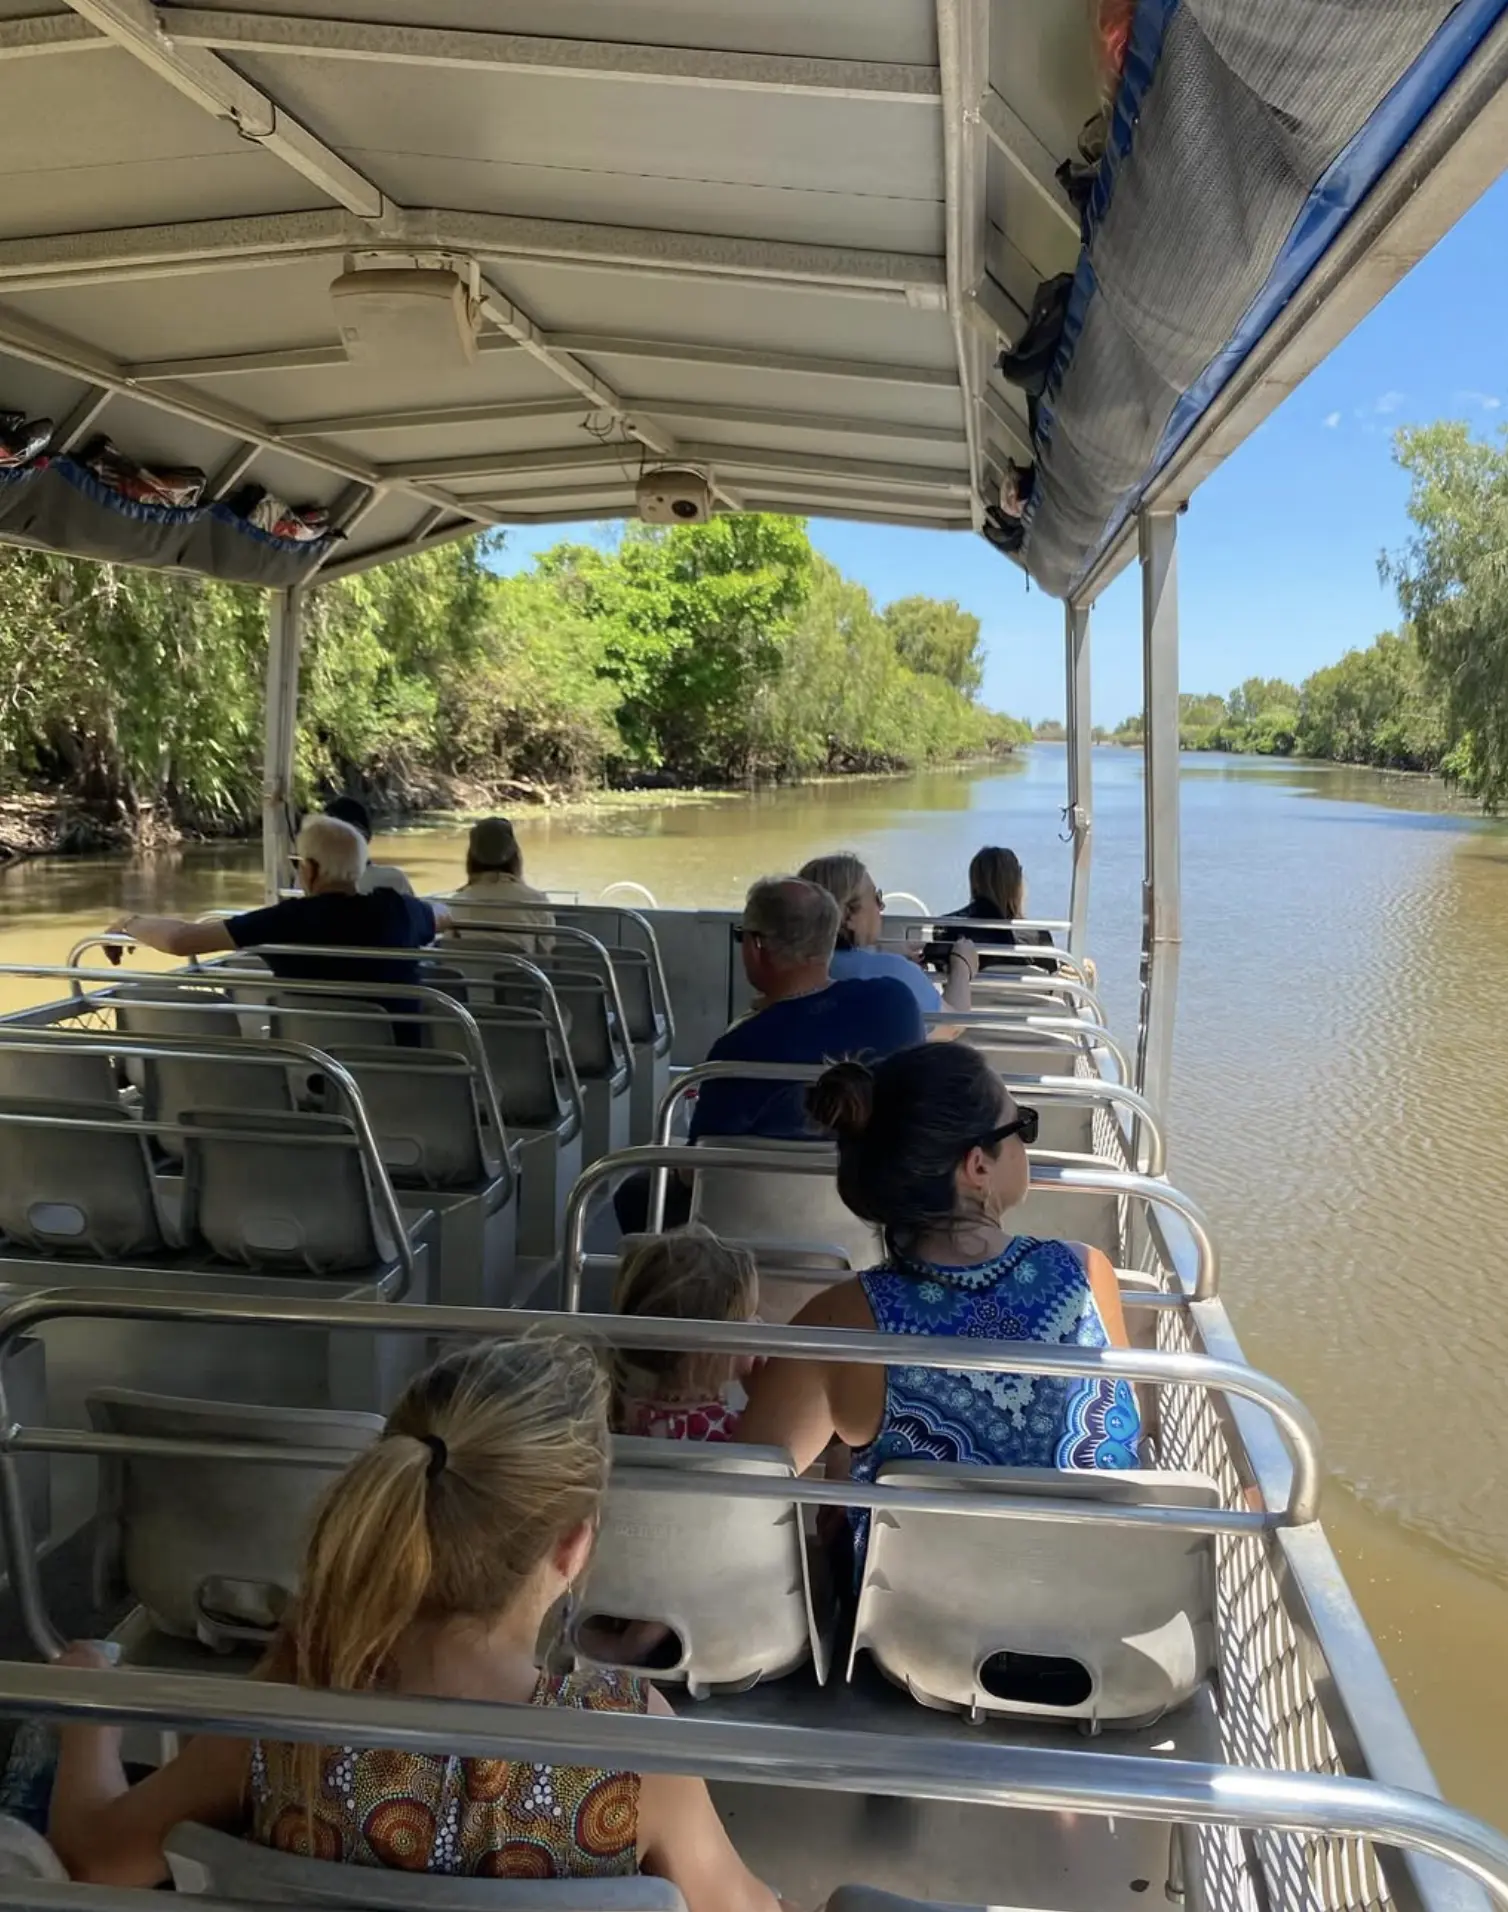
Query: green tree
938	638
1452	583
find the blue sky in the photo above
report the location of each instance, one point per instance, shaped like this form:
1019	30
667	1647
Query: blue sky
1278	552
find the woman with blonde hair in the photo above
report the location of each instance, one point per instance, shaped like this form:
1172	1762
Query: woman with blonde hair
861	917
434	1561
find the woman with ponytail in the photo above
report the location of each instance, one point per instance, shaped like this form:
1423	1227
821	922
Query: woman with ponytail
434	1562
932	1150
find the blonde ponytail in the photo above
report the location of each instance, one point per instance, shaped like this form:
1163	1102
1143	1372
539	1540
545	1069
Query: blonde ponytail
491	1457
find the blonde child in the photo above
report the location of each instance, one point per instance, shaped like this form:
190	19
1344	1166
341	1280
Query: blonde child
688	1275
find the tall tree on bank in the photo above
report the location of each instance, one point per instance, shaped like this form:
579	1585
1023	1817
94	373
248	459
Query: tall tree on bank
1452	582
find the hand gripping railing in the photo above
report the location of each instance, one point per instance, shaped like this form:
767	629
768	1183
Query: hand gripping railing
188	1049
1044	1175
964	1770
476	918
1033	1031
1028	1089
433	1006
1292	1419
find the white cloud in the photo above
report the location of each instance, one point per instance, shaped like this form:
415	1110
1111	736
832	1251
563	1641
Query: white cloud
1332	419
1389	402
1485	401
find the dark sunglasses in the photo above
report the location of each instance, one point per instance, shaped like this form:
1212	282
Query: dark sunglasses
1026	1124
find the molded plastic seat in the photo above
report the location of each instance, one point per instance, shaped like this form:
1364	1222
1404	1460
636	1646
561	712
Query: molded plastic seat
46	1071
1041	1619
796	1220
274	1193
423	1111
78	1191
521	1057
211	1548
730	1578
221	1866
173	1085
328	1021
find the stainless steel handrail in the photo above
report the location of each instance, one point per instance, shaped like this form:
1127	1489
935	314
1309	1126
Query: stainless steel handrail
555	1021
625	884
458	956
1044	1175
660	987
995	988
1154	1367
965	1770
1044	1031
442	1006
1026	1089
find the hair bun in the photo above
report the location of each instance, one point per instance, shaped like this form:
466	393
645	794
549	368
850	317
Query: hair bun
842	1099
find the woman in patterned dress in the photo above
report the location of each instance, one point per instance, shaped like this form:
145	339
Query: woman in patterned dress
933	1149
433	1563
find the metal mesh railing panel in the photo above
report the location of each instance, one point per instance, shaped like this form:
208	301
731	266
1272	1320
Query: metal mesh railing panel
1270	1714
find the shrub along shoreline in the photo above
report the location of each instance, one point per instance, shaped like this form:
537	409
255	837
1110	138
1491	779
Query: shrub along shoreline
724	655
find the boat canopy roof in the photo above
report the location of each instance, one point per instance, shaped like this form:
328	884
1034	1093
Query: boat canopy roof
782	244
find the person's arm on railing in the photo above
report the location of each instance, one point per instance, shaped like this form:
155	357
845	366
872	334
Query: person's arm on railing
172	935
963	967
1107	1296
109	1832
682	1840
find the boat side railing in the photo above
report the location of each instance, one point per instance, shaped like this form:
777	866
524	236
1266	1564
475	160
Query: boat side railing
1034	1031
964	1770
1044	1175
1097	1365
1096	1091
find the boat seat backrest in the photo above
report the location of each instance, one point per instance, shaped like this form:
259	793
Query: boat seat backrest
1092	1216
1044	1619
1009	1057
78	1191
57	1071
1065	1127
211	1548
587	1006
422	1109
636	990
765	1209
171	1085
222	1866
730	1578
521	1058
272	1193
326	1021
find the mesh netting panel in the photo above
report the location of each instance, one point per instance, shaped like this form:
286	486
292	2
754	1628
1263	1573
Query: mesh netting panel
1248	108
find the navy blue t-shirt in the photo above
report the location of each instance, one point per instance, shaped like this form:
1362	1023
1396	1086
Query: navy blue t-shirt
866	1020
385	919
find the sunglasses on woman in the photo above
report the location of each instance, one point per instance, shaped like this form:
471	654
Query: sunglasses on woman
1026	1124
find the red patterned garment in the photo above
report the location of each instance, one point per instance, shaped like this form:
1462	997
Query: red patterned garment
478	1818
679	1420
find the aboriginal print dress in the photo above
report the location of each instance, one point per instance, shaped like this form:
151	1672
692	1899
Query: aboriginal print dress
477	1818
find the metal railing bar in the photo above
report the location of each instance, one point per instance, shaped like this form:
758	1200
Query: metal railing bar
967	1770
706	1483
510	925
1028	1089
1044	1175
1156	1368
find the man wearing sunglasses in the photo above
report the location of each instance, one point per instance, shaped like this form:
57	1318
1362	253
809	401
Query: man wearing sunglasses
331	914
786	939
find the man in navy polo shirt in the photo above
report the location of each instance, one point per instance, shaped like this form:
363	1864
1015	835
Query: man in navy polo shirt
800	1015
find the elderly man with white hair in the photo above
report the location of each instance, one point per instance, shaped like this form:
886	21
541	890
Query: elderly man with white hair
332	914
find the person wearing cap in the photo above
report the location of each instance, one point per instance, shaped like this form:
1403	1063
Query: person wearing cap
376	876
495	893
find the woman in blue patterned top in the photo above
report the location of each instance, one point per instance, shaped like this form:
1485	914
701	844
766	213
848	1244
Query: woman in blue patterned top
933	1150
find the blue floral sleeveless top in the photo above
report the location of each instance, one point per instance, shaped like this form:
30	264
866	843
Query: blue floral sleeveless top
1031	1291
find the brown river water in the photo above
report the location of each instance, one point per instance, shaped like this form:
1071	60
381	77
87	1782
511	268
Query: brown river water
1340	1104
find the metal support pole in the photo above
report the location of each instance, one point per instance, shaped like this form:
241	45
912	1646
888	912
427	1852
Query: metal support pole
1080	768
285	630
1162	925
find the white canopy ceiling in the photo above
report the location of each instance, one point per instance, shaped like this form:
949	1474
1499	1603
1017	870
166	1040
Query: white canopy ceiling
782	241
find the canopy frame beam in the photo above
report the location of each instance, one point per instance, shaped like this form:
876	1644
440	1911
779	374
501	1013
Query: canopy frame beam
1162	921
1079	815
